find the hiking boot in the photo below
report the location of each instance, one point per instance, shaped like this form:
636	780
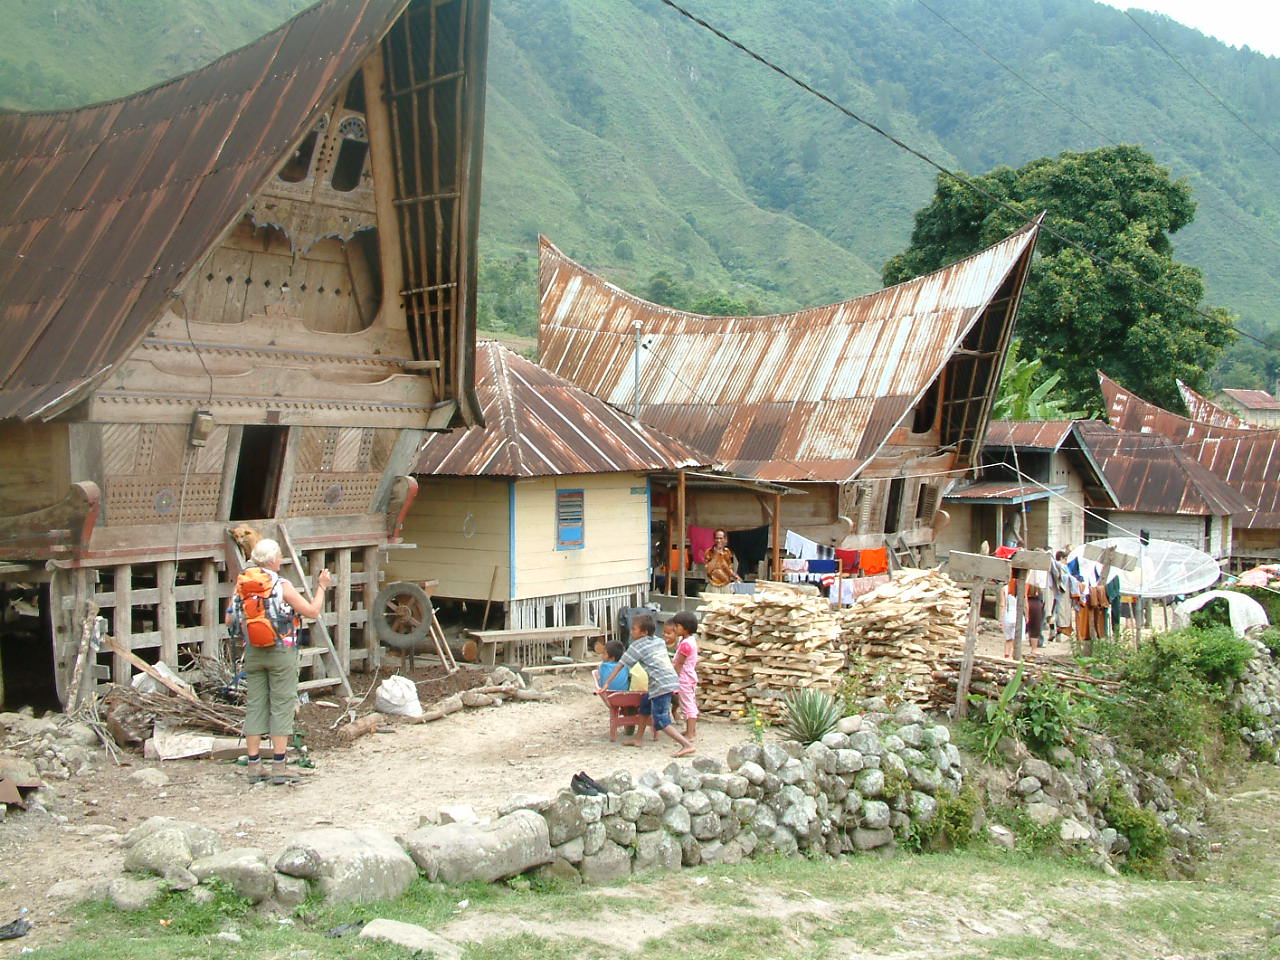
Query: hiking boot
280	774
257	772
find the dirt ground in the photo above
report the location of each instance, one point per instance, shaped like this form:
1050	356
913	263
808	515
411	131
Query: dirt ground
388	780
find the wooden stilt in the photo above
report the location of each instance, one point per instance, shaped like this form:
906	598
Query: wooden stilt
123	629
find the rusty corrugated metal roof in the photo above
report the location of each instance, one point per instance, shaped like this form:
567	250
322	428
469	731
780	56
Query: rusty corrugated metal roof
811	395
1206	411
1031	434
106	207
541	425
1247	461
1252	399
1000	491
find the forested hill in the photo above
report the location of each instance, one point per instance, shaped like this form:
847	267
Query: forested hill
642	144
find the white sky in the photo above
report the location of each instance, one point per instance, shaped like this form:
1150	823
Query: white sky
1234	22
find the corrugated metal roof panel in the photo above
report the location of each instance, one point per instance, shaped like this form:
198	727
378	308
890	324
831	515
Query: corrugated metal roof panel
108	206
1252	399
707	379
541	425
999	491
1233	471
1032	434
1205	410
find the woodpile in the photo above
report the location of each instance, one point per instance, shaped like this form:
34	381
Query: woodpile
990	675
904	628
754	649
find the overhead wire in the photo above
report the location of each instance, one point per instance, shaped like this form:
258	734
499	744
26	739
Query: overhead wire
1077	117
959	178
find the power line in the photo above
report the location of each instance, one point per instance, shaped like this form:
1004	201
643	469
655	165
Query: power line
1222	103
964	181
1075	116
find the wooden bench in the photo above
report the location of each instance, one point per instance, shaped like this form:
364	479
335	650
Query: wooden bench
544	638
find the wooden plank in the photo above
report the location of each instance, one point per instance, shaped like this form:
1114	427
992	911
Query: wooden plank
342	607
1031	560
370	594
210	609
123	621
538	633
167	612
977	566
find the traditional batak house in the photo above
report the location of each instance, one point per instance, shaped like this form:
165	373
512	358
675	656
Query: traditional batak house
544	511
1247	460
1037	480
870	406
1160	488
240	296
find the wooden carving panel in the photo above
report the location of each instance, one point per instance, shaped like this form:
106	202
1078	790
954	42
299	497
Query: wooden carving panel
158	498
333	494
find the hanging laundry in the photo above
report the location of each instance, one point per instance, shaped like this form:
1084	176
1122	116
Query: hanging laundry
801	547
848	561
874	562
700	540
750	547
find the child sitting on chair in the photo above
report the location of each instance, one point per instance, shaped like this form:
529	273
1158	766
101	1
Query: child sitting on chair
684	628
622	678
650	652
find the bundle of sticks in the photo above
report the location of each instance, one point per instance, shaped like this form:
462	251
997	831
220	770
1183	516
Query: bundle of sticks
757	648
906	626
990	675
134	711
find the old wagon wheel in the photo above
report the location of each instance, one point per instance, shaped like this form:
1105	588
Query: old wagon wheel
402	615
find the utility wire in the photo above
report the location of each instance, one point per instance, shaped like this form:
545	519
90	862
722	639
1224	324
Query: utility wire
1077	117
964	181
1196	80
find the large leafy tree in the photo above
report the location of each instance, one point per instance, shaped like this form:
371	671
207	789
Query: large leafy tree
1138	319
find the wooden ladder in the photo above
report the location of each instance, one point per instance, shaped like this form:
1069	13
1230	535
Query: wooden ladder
322	655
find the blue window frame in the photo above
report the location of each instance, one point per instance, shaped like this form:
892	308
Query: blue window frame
570	525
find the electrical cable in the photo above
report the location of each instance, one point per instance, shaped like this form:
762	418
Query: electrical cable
964	181
1222	103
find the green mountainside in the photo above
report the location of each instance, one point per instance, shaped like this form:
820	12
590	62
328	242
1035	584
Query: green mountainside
642	144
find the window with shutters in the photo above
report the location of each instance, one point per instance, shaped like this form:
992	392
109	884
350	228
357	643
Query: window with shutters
926	504
570	518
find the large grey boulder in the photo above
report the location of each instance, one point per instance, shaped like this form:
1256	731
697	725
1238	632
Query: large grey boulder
159	853
459	852
126	893
656	851
200	839
349	865
608	864
564	819
417	940
244	869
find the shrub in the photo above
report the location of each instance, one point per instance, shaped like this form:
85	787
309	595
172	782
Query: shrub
1270	638
951	825
809	715
1147	836
1048	716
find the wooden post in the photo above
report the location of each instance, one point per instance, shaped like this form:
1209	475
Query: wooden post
342	607
210	615
681	524
123	621
671	541
775	537
1020	626
970	646
167	612
370	594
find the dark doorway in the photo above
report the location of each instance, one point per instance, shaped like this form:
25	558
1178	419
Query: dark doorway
26	648
258	472
893	513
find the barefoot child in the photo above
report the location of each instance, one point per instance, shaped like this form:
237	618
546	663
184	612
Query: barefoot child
684	626
650	652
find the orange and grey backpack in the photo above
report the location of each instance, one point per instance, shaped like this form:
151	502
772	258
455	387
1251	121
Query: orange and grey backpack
259	615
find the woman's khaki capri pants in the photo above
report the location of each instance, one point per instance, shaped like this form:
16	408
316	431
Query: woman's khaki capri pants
271	676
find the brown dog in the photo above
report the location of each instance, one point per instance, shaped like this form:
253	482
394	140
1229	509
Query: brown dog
246	538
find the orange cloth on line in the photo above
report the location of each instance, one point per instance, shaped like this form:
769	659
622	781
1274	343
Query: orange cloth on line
874	562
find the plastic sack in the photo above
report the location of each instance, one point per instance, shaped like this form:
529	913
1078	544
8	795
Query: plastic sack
397	696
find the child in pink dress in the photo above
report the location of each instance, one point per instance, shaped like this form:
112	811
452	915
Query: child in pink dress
685	663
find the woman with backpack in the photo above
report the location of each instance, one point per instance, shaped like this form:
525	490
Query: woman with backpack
264	614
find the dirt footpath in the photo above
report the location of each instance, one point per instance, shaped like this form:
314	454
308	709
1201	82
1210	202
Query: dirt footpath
387	780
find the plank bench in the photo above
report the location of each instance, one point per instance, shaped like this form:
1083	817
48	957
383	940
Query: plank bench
534	645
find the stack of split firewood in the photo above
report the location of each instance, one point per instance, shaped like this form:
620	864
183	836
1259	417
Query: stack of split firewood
906	627
754	649
990	676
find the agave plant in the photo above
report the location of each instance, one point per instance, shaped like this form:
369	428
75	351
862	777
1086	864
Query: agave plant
809	715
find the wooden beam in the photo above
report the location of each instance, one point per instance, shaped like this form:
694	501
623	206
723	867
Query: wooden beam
167	612
123	621
342	607
210	609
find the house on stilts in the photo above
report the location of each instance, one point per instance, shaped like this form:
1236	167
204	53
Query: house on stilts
243	295
865	409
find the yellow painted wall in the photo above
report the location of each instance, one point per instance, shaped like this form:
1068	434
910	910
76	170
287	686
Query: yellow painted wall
615	535
460	526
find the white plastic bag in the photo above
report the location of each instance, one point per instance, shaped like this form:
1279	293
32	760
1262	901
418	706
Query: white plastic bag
398	696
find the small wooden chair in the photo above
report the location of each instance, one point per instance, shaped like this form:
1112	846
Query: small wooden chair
623	708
